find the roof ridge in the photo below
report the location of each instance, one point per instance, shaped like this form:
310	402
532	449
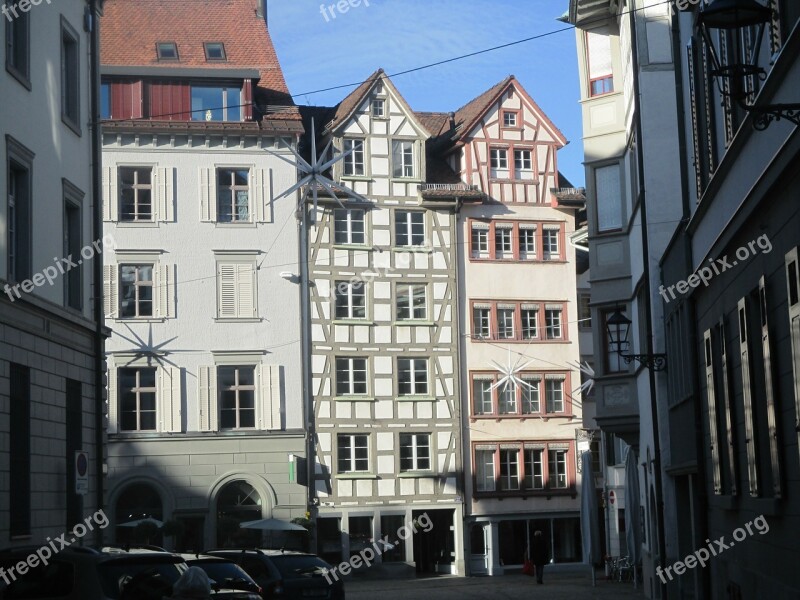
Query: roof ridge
490	88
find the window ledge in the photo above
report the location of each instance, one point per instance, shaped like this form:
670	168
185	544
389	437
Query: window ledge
413	323
415	474
356	177
415	399
522	417
72	125
138	319
406	180
242	224
353	322
136	224
23	79
352	247
235	320
364	475
420	249
499	495
354	399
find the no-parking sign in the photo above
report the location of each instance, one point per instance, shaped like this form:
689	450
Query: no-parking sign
81	473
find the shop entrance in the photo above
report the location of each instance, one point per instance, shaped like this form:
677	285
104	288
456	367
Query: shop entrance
434	541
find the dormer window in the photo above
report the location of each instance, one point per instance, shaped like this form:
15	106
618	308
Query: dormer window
167	51
215	50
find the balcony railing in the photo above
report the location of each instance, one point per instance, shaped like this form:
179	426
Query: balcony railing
448	187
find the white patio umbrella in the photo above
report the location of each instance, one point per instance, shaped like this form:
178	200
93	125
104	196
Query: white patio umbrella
590	528
137	522
271	525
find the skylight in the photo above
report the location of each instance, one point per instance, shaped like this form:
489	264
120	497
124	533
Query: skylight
167	50
215	50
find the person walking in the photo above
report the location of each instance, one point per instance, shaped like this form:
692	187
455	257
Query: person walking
539	554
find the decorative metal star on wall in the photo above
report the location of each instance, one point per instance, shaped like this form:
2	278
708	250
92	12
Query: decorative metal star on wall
510	374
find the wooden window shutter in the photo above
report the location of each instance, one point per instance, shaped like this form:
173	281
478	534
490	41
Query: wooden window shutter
246	290
713	426
260	188
228	306
727	103
110	301
728	408
775	33
111	397
164	185
169	400
207	192
127	99
747	396
110	195
269	400
207	398
247	100
769	390
165	290
691	59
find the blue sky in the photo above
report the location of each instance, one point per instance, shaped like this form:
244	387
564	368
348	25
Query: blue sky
316	53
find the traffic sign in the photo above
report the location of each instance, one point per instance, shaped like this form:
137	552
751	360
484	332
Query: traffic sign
81	473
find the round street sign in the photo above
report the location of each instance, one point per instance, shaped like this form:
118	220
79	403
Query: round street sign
81	473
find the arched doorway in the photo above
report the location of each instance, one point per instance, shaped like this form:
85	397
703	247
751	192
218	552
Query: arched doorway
238	502
138	501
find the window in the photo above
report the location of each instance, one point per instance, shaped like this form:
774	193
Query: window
216	103
482	396
403	158
484	462
412	302
480	240
137	399
530	395
237	397
554	391
233	202
73	296
557	467
481	317
136	291
498	161
70	77
348	226
415	452
550	249
19	213
503	247
351	300
584	311
552	324
236	290
509	470
598	49
530	322
351	376
167	51
378	107
527	242
136	194
18	47
354	161
534	469
523	164
214	50
19	445
608	197
409	228
505	323
507	398
509	119
105	100
352	453
412	376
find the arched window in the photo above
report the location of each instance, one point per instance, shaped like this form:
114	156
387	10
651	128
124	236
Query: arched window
139	510
238	502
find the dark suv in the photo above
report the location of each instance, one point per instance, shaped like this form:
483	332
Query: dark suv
287	575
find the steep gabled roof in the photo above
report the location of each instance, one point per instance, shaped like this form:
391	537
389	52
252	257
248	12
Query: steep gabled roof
131	29
352	101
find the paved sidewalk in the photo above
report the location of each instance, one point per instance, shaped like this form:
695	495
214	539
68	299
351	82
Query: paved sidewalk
558	586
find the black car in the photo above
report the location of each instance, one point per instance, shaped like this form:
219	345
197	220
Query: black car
287	575
224	573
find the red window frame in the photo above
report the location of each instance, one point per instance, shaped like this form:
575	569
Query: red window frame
515	241
541	323
497	416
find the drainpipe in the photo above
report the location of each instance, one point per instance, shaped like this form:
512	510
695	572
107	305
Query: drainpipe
97	262
648	308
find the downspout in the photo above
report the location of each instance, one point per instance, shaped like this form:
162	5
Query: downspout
97	262
648	308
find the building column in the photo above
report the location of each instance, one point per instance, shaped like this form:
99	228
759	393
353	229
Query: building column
494	567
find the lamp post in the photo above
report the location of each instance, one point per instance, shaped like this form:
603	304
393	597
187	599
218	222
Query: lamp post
744	22
618	328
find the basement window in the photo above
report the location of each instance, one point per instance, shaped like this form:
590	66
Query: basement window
215	50
167	51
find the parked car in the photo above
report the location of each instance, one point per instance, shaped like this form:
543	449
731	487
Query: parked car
82	573
286	575
224	572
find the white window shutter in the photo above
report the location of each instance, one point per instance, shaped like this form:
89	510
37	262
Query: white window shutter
246	280
208	195
227	291
165	289
169	400
165	194
260	184
110	301
112	397
110	199
269	397
207	398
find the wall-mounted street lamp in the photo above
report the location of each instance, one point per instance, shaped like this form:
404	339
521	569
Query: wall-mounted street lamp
618	327
738	61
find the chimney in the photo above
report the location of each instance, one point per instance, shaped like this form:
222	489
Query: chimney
262	9
452	116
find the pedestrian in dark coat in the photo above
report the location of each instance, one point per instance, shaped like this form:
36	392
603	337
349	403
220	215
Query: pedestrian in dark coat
539	554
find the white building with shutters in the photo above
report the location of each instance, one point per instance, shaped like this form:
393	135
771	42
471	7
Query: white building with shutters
204	364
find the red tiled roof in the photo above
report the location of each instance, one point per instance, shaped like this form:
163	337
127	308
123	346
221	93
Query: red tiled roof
473	110
435	122
346	107
130	30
